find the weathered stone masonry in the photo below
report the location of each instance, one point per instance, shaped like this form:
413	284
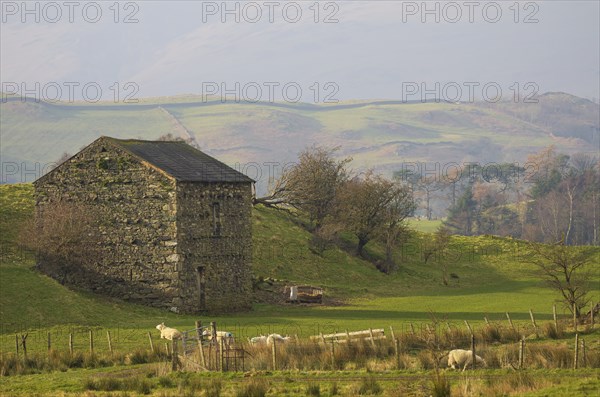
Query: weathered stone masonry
175	224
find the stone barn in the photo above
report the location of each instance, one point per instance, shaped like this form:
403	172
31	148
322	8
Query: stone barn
173	229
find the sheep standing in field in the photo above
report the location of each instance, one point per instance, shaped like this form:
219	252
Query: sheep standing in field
168	333
276	338
259	340
463	358
225	336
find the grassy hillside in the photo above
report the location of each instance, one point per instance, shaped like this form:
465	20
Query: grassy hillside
491	280
378	135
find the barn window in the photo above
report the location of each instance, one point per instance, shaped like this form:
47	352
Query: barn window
216	219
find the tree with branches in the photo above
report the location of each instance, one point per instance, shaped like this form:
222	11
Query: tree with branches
564	269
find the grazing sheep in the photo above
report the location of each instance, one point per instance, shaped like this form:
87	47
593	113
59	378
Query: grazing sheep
226	337
463	358
168	333
259	340
276	338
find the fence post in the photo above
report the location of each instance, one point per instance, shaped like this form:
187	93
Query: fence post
174	355
521	352
554	316
473	355
397	352
49	342
576	359
510	321
332	355
152	343
91	342
535	328
71	343
24	345
274	352
200	348
222	353
469	327
110	349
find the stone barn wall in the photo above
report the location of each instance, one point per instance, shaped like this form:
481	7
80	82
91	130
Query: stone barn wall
137	230
215	241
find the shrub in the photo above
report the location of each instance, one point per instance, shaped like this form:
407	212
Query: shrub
313	389
369	386
440	386
254	388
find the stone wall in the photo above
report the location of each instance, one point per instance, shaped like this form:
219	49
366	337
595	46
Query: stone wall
215	237
137	227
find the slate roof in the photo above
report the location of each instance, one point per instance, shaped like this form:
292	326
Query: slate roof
181	161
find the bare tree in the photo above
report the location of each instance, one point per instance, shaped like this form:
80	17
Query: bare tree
63	237
364	206
563	268
310	186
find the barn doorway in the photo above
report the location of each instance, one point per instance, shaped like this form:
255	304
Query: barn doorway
201	283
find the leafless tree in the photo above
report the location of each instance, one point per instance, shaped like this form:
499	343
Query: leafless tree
564	269
310	186
63	237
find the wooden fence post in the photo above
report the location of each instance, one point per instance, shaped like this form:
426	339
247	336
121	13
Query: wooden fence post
535	328
71	343
372	338
473	355
469	327
274	352
110	349
521	352
91	342
152	343
332	355
554	316
174	355
576	358
49	341
200	347
222	355
510	321
24	345
397	351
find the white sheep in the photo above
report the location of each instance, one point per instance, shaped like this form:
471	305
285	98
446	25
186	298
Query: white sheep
225	336
276	338
168	333
259	340
463	358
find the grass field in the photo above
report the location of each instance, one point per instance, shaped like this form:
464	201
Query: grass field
492	279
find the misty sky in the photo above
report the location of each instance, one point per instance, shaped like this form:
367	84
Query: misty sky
369	50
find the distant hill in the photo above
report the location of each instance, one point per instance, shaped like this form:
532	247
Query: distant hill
377	134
